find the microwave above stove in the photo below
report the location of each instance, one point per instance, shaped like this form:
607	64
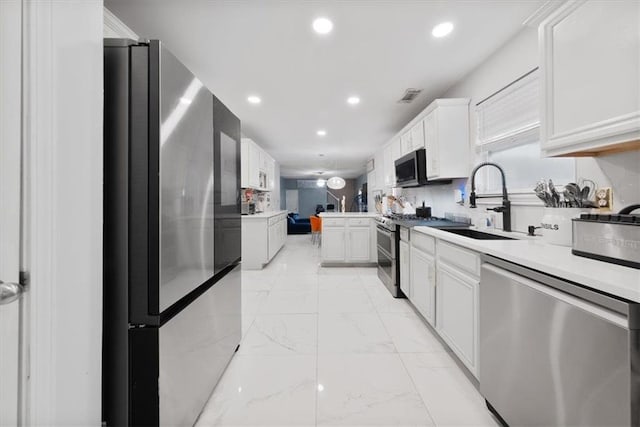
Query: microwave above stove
411	170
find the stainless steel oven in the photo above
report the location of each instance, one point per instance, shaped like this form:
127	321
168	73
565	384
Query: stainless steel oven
387	258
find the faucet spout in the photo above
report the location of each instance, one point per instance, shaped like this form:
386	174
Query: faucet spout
506	204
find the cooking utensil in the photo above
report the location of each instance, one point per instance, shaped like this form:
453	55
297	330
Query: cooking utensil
555	197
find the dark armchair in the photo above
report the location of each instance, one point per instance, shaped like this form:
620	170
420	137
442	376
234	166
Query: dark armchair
297	225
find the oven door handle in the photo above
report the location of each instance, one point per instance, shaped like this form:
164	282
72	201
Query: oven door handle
385	253
384	231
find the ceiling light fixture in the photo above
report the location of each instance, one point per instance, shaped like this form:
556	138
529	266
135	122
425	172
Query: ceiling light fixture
321	132
442	29
336	183
320	182
253	99
353	100
322	25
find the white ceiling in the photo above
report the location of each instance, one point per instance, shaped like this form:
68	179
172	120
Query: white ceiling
377	50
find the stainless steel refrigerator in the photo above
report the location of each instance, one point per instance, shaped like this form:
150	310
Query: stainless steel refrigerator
172	318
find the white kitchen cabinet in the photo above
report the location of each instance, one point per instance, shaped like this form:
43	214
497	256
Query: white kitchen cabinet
590	68
458	278
405	278
405	143
263	235
333	244
446	138
348	239
417	136
457	313
358	244
249	160
422	267
379	170
257	167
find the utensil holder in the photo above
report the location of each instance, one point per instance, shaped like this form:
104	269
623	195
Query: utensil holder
556	225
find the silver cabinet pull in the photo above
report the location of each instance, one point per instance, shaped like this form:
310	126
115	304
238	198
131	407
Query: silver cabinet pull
9	292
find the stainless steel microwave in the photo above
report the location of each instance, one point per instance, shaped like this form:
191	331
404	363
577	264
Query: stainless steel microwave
411	169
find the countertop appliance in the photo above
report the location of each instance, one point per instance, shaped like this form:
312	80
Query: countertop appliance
411	170
612	238
248	208
172	318
388	238
553	352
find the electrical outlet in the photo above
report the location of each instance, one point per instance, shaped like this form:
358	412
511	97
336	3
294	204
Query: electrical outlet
604	198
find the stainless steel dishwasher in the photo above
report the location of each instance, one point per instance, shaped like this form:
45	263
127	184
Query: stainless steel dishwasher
554	353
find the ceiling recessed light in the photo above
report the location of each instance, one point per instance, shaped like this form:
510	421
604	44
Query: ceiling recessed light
353	100
186	101
253	99
322	25
442	29
321	132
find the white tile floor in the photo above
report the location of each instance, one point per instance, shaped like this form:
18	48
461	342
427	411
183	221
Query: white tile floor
330	346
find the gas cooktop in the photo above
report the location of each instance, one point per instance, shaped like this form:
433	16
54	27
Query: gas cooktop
390	221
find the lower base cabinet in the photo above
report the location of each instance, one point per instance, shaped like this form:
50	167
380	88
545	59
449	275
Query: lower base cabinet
422	268
333	244
348	240
444	281
262	239
457	313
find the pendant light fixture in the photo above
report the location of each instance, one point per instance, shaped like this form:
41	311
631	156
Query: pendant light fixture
336	183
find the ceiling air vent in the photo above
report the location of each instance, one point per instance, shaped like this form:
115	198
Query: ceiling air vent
409	95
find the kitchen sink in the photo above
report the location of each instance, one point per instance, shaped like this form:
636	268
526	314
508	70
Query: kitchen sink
475	234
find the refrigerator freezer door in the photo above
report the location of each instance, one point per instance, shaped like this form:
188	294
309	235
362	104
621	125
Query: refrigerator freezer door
186	181
195	348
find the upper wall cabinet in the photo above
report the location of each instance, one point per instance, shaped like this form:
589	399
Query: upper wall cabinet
258	168
446	138
590	63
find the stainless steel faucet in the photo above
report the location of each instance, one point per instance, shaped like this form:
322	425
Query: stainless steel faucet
505	209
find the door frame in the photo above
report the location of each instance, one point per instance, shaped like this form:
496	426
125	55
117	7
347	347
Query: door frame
62	211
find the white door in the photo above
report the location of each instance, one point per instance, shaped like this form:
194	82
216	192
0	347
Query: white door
10	134
291	200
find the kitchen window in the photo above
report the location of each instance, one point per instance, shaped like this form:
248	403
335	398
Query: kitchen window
508	133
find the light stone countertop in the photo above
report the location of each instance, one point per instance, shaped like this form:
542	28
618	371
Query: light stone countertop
554	260
263	215
349	215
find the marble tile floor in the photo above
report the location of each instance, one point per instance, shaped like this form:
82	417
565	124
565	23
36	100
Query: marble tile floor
331	347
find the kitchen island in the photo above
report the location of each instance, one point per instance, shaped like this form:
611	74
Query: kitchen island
348	239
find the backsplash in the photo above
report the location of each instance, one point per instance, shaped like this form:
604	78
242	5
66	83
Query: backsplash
261	199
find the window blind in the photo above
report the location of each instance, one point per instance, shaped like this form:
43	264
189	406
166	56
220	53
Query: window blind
511	116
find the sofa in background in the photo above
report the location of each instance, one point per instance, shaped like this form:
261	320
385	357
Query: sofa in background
297	225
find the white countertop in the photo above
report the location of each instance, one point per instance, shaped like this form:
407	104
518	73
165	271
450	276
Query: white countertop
264	215
552	259
349	214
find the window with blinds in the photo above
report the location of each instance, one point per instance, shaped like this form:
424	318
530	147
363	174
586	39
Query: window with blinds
510	116
508	124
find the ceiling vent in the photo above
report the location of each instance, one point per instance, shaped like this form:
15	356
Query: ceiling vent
409	95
